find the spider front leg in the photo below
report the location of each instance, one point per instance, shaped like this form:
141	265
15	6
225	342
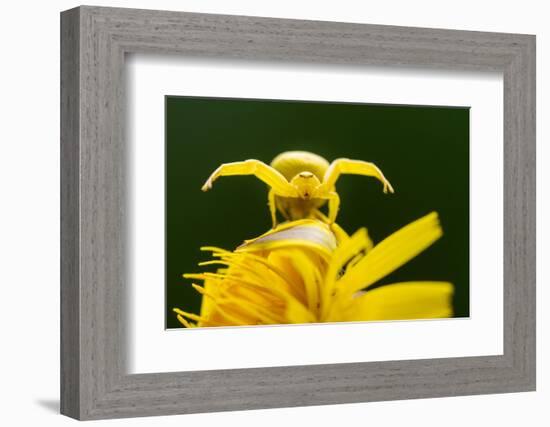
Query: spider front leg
260	170
278	184
333	205
354	167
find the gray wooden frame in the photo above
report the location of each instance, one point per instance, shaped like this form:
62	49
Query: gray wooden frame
94	41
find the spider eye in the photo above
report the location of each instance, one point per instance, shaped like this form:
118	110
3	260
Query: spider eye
306	175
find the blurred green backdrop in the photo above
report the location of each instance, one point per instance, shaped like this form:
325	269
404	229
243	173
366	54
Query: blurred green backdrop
422	150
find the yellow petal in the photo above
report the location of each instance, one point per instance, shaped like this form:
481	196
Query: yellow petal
391	253
357	244
338	231
403	301
310	273
303	233
347	251
281	259
297	313
211	286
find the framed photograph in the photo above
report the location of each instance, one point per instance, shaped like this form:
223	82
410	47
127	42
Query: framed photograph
262	213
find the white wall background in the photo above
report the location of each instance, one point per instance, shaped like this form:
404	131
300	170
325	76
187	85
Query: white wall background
29	212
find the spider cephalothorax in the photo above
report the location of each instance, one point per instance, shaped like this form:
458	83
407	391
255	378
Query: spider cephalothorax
300	182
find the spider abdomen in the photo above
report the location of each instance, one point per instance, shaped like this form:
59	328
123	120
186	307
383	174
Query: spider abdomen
291	163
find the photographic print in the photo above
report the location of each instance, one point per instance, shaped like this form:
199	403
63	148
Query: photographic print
295	212
325	217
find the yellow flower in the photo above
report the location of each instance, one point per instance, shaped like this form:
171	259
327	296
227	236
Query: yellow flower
306	271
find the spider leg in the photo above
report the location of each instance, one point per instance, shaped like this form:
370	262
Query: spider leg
272	207
333	205
355	167
338	231
284	212
260	170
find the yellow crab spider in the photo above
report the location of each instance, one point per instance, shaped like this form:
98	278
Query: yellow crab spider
300	182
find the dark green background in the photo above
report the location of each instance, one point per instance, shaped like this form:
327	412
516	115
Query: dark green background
423	151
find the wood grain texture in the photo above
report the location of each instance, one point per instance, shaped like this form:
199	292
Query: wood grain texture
70	291
94	382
